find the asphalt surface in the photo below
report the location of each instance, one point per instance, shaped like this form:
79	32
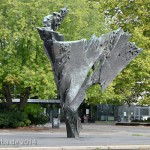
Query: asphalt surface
91	135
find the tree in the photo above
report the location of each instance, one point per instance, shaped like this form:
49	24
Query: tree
24	68
95	96
133	17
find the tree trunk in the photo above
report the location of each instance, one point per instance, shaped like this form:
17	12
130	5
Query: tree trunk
73	123
24	98
7	94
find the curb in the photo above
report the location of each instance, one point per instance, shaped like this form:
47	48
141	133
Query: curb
118	147
132	124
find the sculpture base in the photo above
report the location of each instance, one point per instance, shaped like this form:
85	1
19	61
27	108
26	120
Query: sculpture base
73	123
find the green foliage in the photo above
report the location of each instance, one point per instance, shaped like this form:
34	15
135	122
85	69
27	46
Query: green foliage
134	81
13	118
32	115
146	121
39	119
33	109
94	95
84	19
23	62
4	119
35	114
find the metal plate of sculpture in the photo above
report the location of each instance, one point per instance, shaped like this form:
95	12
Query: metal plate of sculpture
79	64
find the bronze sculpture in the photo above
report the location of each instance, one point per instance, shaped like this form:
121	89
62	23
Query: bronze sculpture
79	64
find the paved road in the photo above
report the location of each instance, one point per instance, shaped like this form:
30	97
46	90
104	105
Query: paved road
91	135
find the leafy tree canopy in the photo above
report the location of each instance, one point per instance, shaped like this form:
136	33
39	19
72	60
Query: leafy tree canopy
24	68
134	81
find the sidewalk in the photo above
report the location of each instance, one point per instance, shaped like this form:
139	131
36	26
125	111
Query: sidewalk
92	137
122	147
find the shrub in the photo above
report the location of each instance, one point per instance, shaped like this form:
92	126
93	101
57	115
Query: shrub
38	119
148	119
4	119
19	120
13	118
35	114
32	115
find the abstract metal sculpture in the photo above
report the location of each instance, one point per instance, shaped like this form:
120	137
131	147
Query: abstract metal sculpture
79	64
